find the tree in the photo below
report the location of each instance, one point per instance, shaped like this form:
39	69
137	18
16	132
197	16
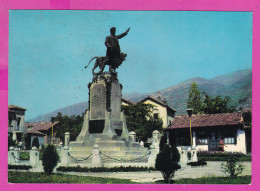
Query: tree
35	142
71	124
216	105
194	100
50	159
167	160
247	116
11	142
139	118
207	105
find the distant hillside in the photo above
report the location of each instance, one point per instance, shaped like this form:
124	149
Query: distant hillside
76	109
237	85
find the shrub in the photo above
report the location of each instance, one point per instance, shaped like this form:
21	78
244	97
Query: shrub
198	163
19	167
35	142
233	167
50	158
11	143
221	156
167	160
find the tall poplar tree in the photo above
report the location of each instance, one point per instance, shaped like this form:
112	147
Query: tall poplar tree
194	100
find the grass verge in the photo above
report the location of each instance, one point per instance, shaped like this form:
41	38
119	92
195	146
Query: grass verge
35	177
212	180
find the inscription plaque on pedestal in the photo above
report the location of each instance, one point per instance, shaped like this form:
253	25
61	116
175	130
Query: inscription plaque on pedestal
116	101
97	101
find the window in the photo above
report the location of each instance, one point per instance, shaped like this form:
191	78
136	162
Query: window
202	137
229	140
202	141
230	136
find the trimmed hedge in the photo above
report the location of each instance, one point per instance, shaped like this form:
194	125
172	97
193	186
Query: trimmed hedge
221	156
103	169
199	163
19	167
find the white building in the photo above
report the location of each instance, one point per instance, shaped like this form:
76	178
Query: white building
16	123
209	129
161	110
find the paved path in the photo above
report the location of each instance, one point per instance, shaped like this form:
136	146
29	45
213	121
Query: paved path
212	169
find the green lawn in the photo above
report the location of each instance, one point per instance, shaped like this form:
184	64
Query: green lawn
30	177
35	177
26	155
215	180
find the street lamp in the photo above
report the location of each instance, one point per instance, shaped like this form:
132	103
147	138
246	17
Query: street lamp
189	111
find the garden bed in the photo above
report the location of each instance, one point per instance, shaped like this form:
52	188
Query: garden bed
221	156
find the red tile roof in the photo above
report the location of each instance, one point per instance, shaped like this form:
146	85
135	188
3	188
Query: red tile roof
156	101
34	131
42	125
15	107
207	120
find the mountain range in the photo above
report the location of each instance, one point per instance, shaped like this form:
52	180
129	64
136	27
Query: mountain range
237	85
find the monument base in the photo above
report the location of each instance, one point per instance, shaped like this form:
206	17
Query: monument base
104	123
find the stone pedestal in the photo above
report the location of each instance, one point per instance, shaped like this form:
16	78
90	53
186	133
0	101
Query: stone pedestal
132	136
156	140
65	158
96	157
183	156
34	157
194	157
152	156
12	156
67	140
104	123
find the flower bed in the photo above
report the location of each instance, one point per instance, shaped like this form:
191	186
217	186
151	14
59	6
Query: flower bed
221	156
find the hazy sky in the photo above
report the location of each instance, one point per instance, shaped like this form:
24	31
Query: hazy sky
48	50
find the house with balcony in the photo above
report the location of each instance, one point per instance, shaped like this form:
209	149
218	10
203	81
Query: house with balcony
16	123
